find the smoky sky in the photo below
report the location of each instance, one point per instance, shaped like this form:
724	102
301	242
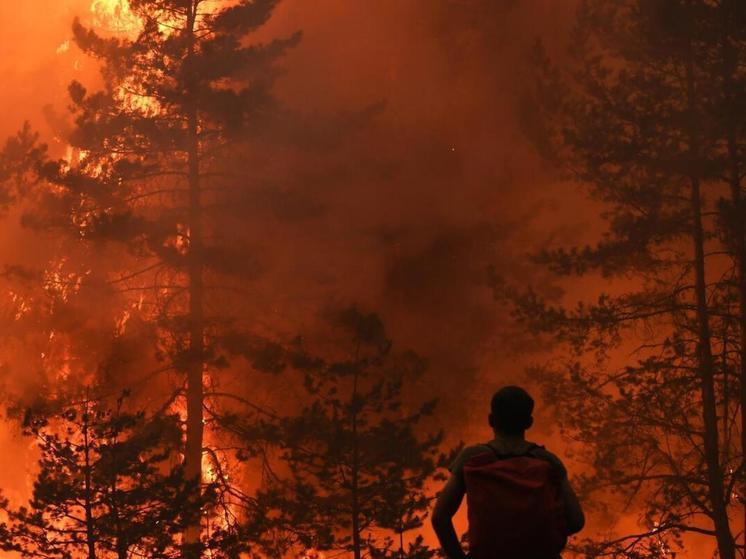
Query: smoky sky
447	184
401	211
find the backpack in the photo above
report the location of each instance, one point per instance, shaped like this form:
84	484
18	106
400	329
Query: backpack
515	506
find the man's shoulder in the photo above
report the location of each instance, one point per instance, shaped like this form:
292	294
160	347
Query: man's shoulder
467	453
475	449
541	452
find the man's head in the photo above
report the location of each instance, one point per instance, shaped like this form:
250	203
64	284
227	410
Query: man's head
511	411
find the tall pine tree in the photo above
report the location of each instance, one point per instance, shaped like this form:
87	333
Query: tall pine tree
154	161
639	119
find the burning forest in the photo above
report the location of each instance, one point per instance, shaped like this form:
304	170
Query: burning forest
321	279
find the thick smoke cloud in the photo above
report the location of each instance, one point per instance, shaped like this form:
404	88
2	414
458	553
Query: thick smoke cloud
402	209
447	185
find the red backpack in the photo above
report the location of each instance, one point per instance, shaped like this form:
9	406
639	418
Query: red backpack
515	506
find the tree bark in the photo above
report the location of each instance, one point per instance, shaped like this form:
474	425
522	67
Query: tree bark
401	541
90	534
706	366
355	482
730	62
195	368
715	482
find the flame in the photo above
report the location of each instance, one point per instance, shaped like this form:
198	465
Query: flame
136	102
21	305
60	283
115	16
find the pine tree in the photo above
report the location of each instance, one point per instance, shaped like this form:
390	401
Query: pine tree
358	468
153	187
57	332
106	486
729	34
638	119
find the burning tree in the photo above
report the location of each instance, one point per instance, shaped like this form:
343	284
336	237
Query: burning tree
57	336
651	120
153	184
107	486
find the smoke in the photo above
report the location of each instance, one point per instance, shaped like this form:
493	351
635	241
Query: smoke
441	184
422	181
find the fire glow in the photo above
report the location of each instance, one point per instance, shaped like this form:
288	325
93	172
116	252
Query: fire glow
115	16
396	165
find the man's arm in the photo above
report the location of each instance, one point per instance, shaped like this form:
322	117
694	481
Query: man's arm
573	511
449	500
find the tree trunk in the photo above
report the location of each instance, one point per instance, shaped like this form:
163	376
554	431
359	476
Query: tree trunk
194	385
120	531
706	366
730	63
715	482
740	261
355	481
121	543
401	541
90	535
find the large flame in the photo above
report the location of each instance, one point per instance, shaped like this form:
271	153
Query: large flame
114	16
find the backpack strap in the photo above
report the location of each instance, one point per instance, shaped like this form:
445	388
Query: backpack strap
502	455
530	452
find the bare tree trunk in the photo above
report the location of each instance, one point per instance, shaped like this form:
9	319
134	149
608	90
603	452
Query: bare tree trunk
90	534
122	545
740	257
740	262
195	371
715	482
401	540
706	366
730	63
120	530
356	543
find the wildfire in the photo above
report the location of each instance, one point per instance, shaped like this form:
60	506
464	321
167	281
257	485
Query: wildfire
20	304
61	283
117	17
114	16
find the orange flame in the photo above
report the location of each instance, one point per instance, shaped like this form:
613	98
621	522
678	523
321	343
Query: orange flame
115	16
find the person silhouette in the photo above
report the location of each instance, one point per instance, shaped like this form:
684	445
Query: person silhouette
519	500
